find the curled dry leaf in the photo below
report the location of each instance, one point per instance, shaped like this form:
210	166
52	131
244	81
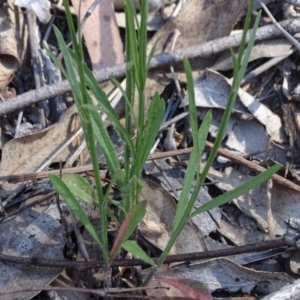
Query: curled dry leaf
9	60
243	136
265	116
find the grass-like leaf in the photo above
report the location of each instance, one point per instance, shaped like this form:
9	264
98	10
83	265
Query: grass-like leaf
185	205
72	202
133	217
137	252
193	166
105	143
154	119
237	192
80	188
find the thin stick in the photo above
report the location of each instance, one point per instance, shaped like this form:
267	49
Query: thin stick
208	146
158	61
81	266
283	31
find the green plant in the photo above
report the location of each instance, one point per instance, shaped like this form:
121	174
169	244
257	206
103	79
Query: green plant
128	180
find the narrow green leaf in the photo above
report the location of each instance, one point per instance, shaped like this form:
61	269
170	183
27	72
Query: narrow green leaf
106	108
152	52
133	217
130	91
245	31
131	39
143	43
105	143
133	248
192	105
71	26
80	188
125	96
154	119
189	178
245	60
71	75
241	190
67	195
131	192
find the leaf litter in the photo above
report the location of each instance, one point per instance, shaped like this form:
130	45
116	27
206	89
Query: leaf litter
256	129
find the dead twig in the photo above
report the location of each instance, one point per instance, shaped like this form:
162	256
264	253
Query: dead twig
208	146
82	266
234	158
158	61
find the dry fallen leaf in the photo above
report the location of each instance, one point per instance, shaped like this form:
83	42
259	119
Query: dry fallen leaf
212	91
269	48
285	202
40	7
101	34
26	154
156	227
222	273
35	232
211	20
191	288
9	59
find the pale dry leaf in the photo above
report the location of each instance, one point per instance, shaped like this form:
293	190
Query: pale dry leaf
158	289
9	59
35	232
101	34
284	201
172	180
40	7
212	91
26	154
211	20
265	49
222	273
288	292
152	4
156	227
240	235
244	136
265	116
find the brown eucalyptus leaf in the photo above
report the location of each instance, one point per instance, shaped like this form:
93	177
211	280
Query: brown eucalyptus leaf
156	226
199	21
192	288
222	273
101	34
26	154
9	59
